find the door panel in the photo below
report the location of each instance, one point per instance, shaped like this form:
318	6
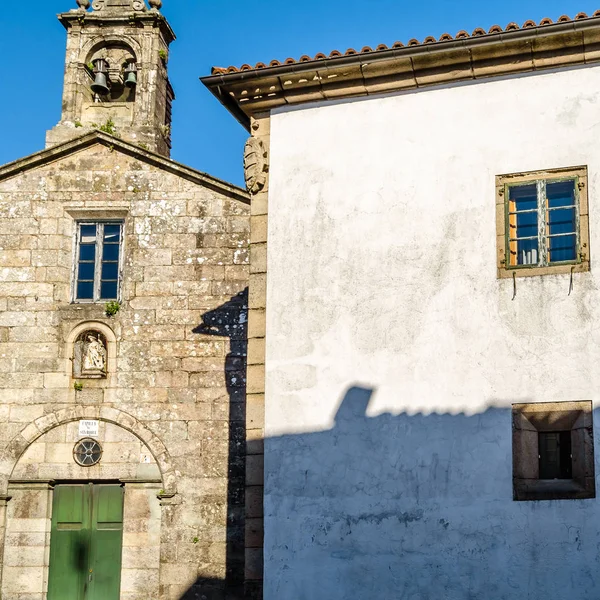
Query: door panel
107	525
86	542
69	550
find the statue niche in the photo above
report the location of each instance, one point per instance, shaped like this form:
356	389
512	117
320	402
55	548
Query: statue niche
90	356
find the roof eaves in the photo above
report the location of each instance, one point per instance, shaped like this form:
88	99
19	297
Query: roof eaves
430	41
253	91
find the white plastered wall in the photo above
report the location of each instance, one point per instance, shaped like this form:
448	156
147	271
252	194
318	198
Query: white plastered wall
382	292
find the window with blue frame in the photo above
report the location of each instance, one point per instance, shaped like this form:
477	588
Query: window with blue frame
545	222
98	259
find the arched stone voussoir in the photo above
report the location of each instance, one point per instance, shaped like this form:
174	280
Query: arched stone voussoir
12	452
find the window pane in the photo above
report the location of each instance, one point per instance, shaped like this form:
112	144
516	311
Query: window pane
110	271
85	291
555	455
527	252
86	272
110	252
527	225
87	252
112	234
561	221
560	193
524	197
88	234
108	290
562	248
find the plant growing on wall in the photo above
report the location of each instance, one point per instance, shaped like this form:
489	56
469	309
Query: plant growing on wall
77	386
112	308
109	127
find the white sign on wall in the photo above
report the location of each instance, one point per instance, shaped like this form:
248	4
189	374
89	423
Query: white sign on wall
88	428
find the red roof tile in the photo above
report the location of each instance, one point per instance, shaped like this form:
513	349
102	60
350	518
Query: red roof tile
446	37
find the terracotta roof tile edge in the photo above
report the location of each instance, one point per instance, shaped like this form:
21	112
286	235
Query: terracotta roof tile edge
446	37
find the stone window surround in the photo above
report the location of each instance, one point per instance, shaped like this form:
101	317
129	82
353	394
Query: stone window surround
502	182
527	421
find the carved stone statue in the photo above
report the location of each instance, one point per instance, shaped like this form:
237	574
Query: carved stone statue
90	355
256	165
94	354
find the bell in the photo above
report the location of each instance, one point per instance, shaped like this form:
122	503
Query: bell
100	85
131	79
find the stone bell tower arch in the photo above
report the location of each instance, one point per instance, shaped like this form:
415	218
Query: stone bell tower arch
116	75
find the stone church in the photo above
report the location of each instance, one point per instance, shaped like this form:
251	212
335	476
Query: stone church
123	317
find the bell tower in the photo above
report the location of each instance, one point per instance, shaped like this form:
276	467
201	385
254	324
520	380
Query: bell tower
116	75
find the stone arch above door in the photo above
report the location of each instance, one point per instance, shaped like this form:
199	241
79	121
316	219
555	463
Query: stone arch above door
16	448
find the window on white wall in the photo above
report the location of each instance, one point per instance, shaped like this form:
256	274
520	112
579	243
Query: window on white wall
542	221
553	451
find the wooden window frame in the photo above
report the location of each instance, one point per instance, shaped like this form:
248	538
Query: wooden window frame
530	419
582	262
99	223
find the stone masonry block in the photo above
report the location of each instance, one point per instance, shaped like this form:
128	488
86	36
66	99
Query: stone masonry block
257	291
259	204
255	411
256	351
258	229
255	382
255	470
258	258
257	323
254	533
254	501
254	563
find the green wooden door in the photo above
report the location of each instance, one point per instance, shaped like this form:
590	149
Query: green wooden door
85	547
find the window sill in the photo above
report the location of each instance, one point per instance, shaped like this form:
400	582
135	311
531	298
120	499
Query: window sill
88	303
554	489
582	267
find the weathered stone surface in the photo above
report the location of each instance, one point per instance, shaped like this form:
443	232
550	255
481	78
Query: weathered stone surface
178	370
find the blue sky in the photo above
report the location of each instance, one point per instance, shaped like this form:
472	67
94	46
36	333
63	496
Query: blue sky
232	32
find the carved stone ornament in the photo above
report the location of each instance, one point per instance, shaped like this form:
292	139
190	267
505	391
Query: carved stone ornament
256	165
83	4
90	357
119	5
156	4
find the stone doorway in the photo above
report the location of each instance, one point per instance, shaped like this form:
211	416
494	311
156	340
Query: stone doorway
86	542
47	468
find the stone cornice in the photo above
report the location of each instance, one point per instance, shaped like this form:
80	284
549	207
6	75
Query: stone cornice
98	137
110	19
247	93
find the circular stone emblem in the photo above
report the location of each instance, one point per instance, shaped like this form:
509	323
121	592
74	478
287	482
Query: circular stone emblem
87	452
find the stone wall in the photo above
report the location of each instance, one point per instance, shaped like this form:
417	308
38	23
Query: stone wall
177	377
125	458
